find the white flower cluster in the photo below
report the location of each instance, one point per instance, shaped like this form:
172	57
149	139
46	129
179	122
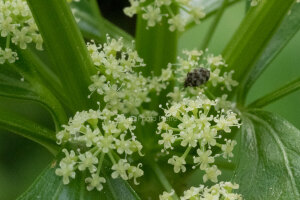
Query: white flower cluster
96	134
120	86
7	55
156	10
220	191
17	26
196	125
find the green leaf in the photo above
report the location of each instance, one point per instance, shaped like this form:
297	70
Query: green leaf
49	186
210	8
253	35
279	93
66	48
12	86
268	160
26	128
289	27
31	88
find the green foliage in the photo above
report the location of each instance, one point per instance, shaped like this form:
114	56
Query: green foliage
268	160
26	128
66	48
253	35
286	31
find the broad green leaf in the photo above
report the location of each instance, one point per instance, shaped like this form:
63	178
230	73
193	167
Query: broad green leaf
49	186
66	48
26	128
289	27
253	35
268	160
20	80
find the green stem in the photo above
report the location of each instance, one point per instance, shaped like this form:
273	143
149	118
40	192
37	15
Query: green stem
111	158
46	76
66	48
100	162
214	25
7	41
162	178
277	94
210	13
240	53
186	152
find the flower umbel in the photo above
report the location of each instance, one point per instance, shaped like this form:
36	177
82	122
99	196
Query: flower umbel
119	85
98	134
197	129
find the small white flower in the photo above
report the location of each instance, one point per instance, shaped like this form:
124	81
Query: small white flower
136	146
204	159
123	145
8	55
152	15
70	158
106	143
173	111
228	81
212	174
168	139
228	148
90	136
66	171
88	160
178	163
197	14
167	195
21	37
192	193
133	9
120	169
95	182
135	172
215	60
177	23
209	136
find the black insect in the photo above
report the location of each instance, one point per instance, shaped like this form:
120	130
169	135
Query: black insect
197	77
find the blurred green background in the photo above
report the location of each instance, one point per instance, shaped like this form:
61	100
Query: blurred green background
22	160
